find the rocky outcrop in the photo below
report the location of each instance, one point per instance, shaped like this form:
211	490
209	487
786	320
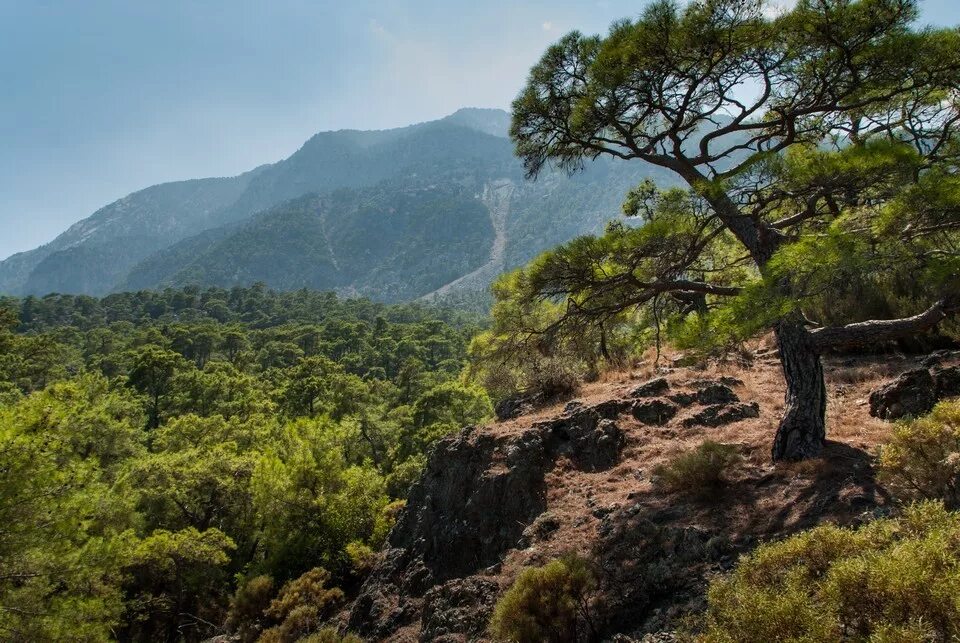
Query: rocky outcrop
915	393
716	393
652	388
517	405
721	414
656	412
483	498
458	610
472	504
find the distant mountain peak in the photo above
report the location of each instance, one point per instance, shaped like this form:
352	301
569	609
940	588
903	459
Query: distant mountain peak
488	120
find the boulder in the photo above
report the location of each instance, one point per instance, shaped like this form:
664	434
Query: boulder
716	393
611	409
516	405
682	399
652	388
721	414
948	382
913	393
592	442
656	412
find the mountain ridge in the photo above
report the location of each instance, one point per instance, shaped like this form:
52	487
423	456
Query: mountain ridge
204	231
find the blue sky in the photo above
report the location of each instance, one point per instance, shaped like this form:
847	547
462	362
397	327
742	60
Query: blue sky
104	97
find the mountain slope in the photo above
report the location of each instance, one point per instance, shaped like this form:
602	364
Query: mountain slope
93	254
370	225
367	241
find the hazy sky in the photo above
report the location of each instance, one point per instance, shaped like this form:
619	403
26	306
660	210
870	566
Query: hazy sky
101	98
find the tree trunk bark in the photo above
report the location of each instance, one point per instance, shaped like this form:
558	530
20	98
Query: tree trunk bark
802	430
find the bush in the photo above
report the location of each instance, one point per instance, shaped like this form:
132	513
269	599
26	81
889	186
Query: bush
247	606
549	603
922	460
301	606
330	635
892	580
699	470
555	379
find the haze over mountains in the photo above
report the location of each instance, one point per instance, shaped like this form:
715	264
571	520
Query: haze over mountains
437	207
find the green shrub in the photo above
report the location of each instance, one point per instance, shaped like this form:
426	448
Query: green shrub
549	603
362	558
699	470
891	580
247	606
301	607
922	460
330	635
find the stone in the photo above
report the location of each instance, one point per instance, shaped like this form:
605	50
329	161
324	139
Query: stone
516	405
652	388
948	382
722	414
913	393
460	607
572	406
656	412
611	409
682	399
716	393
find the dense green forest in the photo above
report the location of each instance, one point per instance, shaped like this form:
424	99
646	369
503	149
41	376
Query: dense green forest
158	451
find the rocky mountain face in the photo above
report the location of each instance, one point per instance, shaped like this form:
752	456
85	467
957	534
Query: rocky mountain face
581	477
398	214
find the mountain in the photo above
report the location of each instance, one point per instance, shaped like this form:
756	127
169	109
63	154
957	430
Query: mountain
95	253
396	214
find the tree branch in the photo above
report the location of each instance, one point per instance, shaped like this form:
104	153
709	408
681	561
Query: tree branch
882	330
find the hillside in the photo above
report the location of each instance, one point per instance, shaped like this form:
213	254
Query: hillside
580	477
98	251
304	221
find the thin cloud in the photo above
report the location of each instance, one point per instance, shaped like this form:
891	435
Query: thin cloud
776	8
547	26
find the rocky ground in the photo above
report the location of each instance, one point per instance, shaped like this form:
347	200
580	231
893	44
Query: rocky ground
578	477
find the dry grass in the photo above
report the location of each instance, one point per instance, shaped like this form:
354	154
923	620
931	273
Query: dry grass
772	499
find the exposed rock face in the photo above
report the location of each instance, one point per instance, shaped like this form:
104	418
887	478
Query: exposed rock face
682	399
647	562
652	388
516	405
483	500
656	412
913	393
948	382
717	394
721	414
473	503
458	610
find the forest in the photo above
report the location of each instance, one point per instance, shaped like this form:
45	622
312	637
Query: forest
160	450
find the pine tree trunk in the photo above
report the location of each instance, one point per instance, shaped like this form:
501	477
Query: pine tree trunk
802	430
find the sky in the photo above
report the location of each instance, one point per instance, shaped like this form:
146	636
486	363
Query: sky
100	98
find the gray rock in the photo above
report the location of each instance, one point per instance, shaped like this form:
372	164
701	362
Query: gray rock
721	414
682	399
948	382
652	388
913	393
656	412
716	393
516	405
458	607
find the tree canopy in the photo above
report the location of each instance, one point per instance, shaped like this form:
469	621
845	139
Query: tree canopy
819	151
